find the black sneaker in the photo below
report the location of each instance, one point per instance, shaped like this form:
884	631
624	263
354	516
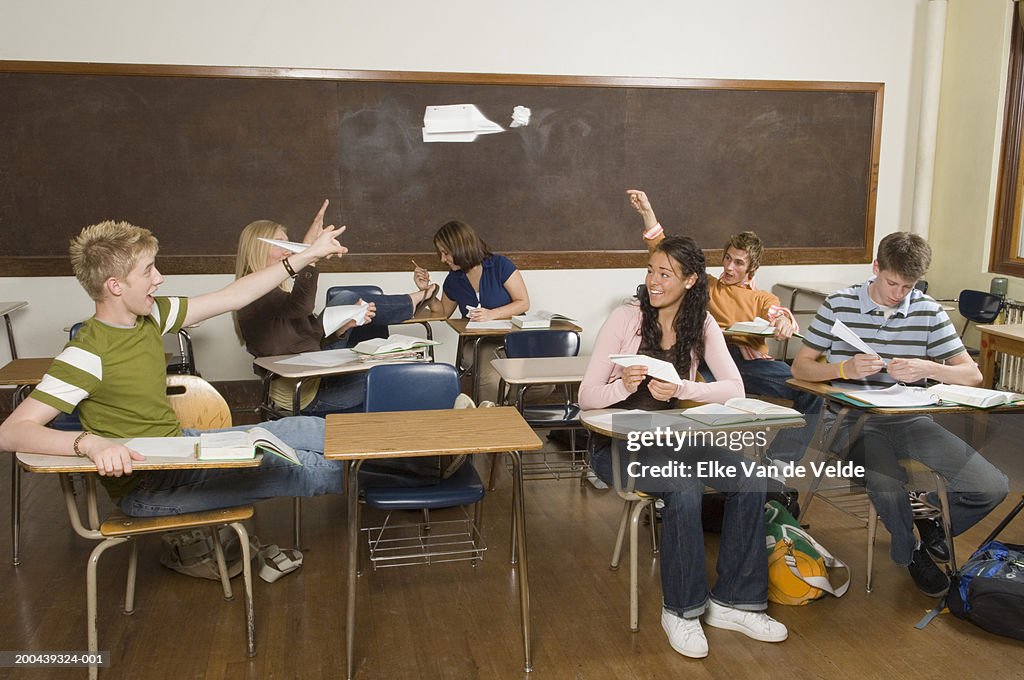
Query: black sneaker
928	578
933	538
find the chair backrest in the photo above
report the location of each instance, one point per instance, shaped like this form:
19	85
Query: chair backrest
196	403
411	387
922	285
349	295
542	343
979	307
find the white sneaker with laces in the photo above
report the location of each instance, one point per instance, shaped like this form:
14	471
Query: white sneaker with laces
685	635
756	625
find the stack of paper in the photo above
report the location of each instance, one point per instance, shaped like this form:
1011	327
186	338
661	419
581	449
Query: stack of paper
456	123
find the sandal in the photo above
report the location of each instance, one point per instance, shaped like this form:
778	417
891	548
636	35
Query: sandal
429	293
276	562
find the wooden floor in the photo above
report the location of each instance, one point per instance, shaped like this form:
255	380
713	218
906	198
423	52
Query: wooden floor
456	621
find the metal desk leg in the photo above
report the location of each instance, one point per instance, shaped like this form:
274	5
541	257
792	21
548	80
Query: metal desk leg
476	369
10	336
430	336
353	558
19	396
519	511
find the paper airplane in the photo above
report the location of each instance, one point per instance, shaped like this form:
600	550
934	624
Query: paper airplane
291	246
456	123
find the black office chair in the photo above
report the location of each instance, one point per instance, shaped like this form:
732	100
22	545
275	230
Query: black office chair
415	387
349	295
978	307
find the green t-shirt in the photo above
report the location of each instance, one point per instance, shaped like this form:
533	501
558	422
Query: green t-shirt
117	379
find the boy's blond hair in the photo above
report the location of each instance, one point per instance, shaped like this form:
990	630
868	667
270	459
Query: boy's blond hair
108	249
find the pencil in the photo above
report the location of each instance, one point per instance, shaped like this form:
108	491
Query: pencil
414	263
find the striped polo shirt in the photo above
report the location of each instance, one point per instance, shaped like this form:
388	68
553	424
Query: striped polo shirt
918	329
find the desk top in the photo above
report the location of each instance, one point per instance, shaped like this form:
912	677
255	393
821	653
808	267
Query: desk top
25	371
814	287
1011	331
424	315
450	432
675	418
352	365
459	326
8	307
541	370
39	462
826	391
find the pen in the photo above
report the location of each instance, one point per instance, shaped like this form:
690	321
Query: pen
414	263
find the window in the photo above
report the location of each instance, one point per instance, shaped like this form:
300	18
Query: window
1008	234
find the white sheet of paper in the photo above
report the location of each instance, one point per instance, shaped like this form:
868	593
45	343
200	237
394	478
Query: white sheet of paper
656	368
337	316
499	324
291	246
326	358
843	332
897	395
456	123
164	447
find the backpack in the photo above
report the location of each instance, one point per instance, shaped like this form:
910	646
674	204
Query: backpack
988	590
797	564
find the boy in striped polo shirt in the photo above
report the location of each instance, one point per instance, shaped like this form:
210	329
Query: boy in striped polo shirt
914	341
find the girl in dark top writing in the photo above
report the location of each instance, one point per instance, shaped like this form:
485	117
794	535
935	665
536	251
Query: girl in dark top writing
483	285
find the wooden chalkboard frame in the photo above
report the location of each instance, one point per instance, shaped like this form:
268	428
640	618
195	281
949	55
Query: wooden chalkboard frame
220	264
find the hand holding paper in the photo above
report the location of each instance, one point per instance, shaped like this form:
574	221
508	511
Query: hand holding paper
338	315
656	368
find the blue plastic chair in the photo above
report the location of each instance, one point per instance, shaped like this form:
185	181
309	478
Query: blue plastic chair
349	295
415	387
566	415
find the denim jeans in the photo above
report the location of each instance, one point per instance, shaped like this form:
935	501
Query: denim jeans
171	492
742	559
768	377
390	309
974	485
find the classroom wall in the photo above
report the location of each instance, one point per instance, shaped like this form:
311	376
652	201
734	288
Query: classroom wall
969	139
869	40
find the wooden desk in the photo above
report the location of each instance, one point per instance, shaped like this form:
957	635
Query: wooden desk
476	335
1006	338
540	371
348	362
355	437
5	310
24	374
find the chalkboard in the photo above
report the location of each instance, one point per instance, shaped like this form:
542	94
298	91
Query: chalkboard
196	153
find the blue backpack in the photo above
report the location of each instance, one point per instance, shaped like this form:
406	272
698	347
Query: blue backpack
988	590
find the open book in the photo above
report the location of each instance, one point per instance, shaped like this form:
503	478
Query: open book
392	345
973	396
758	326
242	445
336	316
539	319
740	410
656	368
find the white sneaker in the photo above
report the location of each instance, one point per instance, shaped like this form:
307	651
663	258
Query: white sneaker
685	635
756	625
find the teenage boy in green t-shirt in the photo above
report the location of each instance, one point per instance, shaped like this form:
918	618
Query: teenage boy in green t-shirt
114	371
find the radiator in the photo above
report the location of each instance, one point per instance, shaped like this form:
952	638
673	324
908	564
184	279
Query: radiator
1010	375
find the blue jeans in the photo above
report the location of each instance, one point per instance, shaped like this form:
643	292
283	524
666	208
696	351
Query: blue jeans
172	492
742	558
768	377
974	485
390	309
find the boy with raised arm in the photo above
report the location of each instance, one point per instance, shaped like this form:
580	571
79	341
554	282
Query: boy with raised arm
911	332
113	371
733	299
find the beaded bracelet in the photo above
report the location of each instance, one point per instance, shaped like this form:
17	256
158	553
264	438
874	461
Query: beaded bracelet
78	451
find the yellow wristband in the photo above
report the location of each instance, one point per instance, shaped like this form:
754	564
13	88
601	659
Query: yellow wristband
841	373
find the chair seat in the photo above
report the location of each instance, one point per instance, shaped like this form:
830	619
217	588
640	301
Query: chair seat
548	415
120	524
462	488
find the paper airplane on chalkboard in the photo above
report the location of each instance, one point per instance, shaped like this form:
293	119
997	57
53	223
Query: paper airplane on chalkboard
456	123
